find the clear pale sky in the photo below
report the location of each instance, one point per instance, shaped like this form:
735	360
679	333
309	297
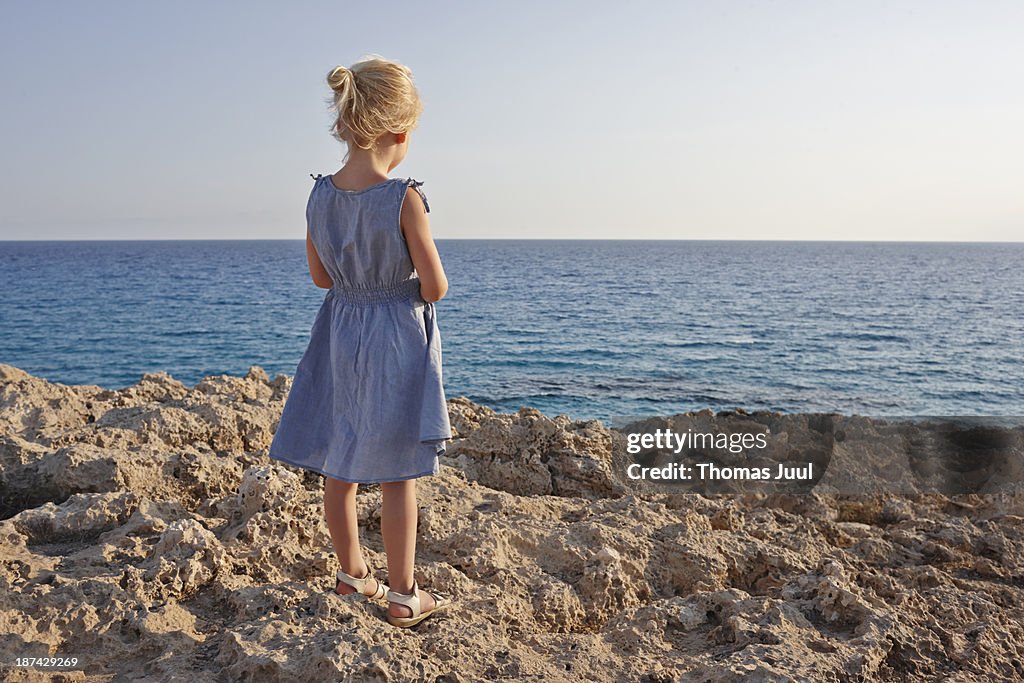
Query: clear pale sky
872	120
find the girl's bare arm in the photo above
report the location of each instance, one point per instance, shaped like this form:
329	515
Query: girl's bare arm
416	229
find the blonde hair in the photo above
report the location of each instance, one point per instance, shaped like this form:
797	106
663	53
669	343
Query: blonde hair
372	97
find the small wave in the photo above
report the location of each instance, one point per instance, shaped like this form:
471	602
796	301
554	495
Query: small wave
868	336
703	343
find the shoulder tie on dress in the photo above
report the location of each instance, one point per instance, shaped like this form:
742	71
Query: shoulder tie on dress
415	184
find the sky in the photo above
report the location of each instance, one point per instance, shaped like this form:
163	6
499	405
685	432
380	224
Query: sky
816	120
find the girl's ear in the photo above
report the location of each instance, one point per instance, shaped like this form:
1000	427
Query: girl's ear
400	137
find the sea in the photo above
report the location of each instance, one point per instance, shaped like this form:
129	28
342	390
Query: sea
609	330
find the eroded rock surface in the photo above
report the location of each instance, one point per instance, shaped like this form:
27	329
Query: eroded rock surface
145	531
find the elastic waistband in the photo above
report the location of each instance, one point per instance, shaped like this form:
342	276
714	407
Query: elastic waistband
406	289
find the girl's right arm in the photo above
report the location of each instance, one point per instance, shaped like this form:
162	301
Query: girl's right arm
416	230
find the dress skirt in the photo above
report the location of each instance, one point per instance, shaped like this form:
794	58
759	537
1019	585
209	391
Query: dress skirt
367	402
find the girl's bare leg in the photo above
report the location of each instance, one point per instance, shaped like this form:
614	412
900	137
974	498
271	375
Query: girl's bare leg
398	526
340	511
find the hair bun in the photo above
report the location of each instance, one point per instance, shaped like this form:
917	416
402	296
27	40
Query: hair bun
339	77
372	97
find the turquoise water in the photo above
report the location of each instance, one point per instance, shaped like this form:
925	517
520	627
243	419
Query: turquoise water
601	329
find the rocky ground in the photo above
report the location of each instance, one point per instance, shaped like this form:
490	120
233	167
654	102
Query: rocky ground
146	532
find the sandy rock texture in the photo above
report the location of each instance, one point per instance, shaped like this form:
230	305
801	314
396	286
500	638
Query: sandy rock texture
146	532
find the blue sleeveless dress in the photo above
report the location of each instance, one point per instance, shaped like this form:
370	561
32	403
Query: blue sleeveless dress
367	403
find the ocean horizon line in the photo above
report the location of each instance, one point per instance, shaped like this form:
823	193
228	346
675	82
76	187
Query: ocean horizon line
533	239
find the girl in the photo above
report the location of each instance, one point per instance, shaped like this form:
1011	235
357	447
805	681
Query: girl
367	404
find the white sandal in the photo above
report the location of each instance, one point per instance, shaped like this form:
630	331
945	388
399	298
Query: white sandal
360	585
412	601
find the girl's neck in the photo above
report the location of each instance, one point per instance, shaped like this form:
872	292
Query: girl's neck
358	178
363	169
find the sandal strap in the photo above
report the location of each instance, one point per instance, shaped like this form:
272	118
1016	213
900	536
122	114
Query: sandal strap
410	600
358	584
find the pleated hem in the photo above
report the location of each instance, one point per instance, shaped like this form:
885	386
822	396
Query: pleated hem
440	443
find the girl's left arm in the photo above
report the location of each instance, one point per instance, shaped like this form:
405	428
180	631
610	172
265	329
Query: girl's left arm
320	276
